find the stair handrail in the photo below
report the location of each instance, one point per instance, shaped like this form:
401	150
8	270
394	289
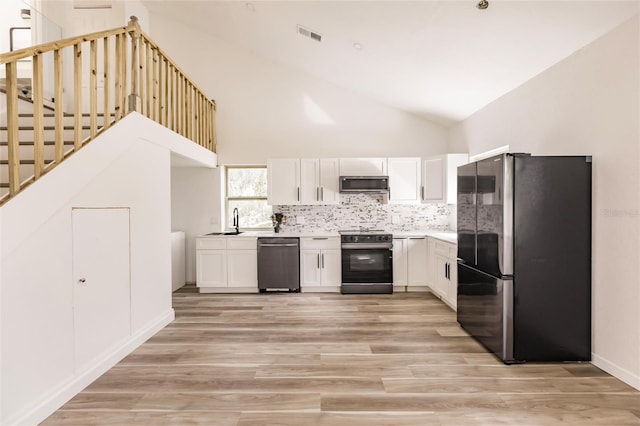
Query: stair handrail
142	78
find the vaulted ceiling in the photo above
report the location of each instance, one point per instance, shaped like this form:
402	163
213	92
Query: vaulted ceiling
442	60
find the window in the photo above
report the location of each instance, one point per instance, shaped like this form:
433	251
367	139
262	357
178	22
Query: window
247	191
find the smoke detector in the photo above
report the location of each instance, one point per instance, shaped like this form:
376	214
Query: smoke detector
306	32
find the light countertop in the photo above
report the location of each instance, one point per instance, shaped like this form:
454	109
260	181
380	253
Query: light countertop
447	236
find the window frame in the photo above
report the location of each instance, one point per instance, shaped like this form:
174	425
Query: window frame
227	198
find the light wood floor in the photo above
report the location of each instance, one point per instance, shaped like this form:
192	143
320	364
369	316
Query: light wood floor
314	359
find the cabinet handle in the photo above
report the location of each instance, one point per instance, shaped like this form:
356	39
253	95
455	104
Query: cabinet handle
298	193
322	260
422	192
318	257
322	193
317	193
320	238
82	280
445	270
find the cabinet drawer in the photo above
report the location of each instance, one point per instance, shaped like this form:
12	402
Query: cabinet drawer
211	243
236	243
319	243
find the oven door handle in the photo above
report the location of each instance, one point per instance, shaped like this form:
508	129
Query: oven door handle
365	246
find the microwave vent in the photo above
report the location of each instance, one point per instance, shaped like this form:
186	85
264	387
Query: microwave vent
310	34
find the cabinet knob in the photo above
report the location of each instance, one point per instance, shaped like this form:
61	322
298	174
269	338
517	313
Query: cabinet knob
82	280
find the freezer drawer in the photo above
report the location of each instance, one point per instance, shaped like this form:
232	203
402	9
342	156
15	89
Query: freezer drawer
485	310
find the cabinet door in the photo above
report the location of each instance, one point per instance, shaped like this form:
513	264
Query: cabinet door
431	262
363	167
433	185
329	181
331	266
453	283
310	267
101	290
400	261
309	181
211	268
417	261
404	180
283	181
441	282
242	268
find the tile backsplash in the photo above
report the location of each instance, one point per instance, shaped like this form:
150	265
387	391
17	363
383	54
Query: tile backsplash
357	211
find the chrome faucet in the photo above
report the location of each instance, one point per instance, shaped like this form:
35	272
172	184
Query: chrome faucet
236	220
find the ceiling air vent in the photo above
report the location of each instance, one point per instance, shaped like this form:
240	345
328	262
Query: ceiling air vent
310	34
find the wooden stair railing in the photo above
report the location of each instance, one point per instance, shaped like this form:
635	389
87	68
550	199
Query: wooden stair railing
134	75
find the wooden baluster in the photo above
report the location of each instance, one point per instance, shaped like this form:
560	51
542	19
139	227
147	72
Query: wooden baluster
106	123
213	127
58	105
38	118
93	88
149	81
189	105
119	78
165	103
156	86
136	70
77	92
141	78
13	143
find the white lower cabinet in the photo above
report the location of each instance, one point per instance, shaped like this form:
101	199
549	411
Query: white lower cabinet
400	264
409	264
445	272
226	265
320	264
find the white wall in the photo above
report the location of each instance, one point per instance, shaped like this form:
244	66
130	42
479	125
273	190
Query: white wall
195	207
587	104
36	327
267	110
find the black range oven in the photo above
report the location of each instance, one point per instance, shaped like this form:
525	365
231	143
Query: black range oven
367	262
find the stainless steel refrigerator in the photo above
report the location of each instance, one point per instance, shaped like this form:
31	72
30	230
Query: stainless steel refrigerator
524	256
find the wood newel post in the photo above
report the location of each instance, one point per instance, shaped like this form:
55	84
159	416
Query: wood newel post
135	104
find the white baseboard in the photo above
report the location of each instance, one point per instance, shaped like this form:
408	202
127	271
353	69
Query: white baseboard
58	397
621	373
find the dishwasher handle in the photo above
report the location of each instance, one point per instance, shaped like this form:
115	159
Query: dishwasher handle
278	245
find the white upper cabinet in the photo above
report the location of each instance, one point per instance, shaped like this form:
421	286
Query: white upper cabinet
363	167
404	179
330	181
303	181
319	181
283	181
440	178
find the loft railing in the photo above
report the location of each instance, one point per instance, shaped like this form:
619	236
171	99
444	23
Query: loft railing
125	70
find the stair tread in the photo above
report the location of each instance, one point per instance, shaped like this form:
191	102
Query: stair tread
24	162
66	114
30	143
85	127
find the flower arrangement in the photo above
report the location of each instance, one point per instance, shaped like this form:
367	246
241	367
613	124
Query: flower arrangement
277	219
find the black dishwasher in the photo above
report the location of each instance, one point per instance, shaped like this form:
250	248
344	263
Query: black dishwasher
279	264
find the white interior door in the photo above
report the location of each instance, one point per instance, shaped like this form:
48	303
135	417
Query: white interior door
101	287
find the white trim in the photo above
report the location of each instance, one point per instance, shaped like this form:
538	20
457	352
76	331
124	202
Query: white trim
621	373
490	153
58	397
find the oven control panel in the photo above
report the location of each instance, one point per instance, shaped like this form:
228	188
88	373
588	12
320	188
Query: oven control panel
376	238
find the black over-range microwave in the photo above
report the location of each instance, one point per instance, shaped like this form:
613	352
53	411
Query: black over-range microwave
371	184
